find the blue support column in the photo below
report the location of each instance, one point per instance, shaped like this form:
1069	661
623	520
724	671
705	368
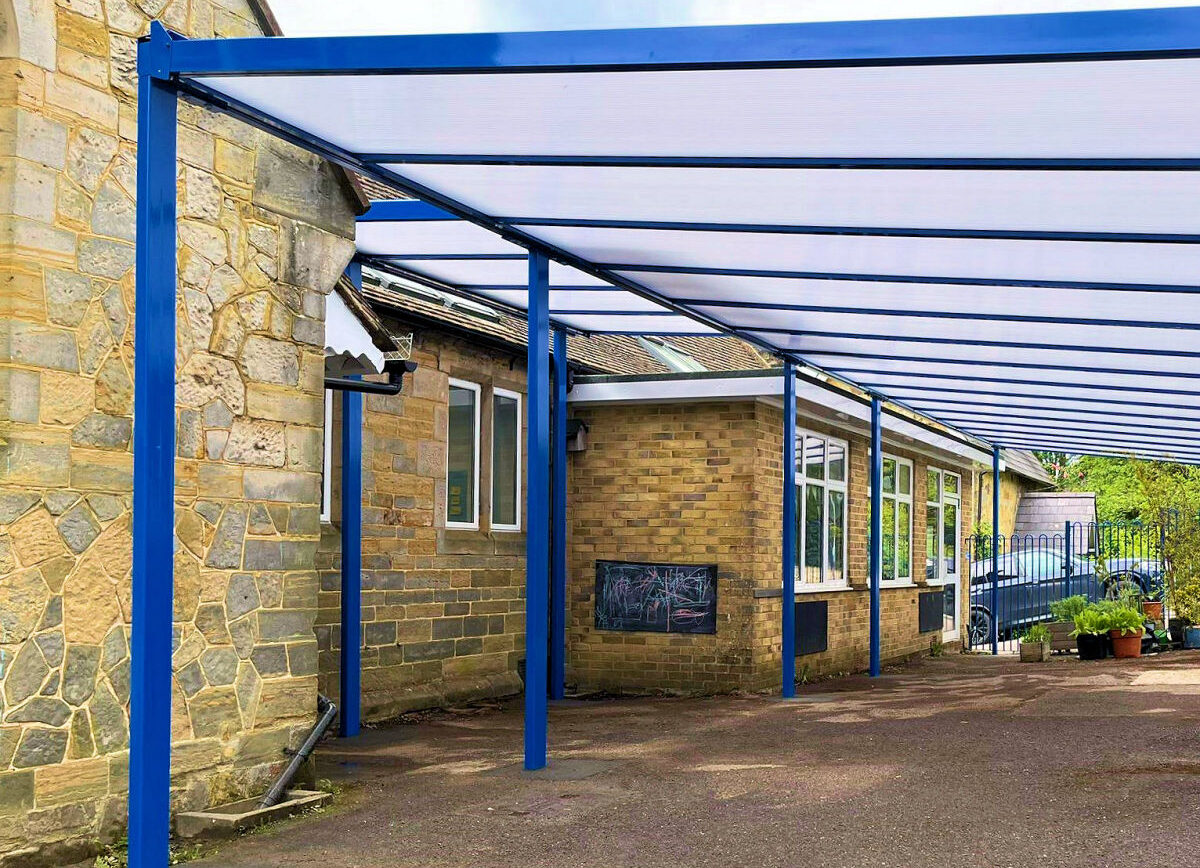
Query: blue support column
995	604
350	682
558	546
153	460
537	535
876	555
1068	566
789	530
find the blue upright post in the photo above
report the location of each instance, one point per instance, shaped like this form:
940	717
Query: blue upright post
537	535
789	529
876	555
350	682
153	460
995	549
1068	543
558	545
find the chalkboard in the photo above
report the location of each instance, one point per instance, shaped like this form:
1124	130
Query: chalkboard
812	627
656	598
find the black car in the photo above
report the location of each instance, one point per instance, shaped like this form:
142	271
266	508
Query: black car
1145	575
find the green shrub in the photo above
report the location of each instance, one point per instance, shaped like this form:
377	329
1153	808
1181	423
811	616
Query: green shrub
1036	635
1125	619
1067	608
1092	621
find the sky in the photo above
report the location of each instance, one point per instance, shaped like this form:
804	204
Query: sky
349	17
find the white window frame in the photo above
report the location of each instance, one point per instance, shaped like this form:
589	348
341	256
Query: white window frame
897	580
507	393
801	482
327	462
463	525
939	505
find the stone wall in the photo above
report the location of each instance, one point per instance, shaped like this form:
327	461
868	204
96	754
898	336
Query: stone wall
443	610
263	234
1012	489
701	483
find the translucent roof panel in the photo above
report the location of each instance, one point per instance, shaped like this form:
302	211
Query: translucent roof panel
988	218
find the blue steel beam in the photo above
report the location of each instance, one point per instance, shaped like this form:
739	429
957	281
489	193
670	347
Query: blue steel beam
863	231
350	680
876	537
995	602
1033	164
153	460
1117	432
833	355
789	529
1050	415
1012	381
537	535
1130	33
954	408
870	277
558	543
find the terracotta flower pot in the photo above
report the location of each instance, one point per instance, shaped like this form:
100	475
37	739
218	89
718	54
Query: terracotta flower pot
1153	609
1127	645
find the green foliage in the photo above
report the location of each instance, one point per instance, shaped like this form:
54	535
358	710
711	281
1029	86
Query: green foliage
1092	621
936	647
116	855
981	540
1067	608
1125	619
1036	635
1174	490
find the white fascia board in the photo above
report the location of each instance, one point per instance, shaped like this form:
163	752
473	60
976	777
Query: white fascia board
694	389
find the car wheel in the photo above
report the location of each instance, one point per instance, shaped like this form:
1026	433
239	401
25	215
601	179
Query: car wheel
979	628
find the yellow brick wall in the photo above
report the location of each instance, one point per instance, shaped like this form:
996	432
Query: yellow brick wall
443	610
701	483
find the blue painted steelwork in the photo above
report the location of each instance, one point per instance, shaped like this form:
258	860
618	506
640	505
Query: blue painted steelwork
876	538
537	534
865	231
153	460
1118	434
951	408
449	257
1013	381
1068	561
404	211
1052	400
558	543
350	678
789	529
996	546
901	313
868	277
1089	416
1020	345
1033	164
1117	34
995	363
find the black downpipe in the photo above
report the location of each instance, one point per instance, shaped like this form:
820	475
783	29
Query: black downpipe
395	369
328	712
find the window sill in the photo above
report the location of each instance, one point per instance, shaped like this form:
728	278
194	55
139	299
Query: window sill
822	589
909	584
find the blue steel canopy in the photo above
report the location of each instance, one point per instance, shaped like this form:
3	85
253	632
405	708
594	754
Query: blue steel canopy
990	219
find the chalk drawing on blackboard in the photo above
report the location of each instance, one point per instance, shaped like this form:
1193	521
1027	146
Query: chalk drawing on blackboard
658	598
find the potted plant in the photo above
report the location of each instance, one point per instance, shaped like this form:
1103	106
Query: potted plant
1063	612
1091	633
1126	626
1152	606
1035	644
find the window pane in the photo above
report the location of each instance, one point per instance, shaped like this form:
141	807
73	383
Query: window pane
814	458
506	429
905	473
904	542
837	535
889	475
460	457
951	484
889	538
933	542
950	538
837	462
814	520
801	542
933	492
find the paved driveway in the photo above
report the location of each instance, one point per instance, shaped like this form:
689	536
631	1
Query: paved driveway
958	761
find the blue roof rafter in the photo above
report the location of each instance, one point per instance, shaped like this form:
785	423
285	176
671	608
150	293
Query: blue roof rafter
1037	366
1038	164
1117	433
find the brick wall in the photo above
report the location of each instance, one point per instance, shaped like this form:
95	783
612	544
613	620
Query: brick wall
699	483
443	610
1012	489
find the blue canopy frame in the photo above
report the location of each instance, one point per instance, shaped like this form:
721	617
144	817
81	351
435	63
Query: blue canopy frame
965	371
